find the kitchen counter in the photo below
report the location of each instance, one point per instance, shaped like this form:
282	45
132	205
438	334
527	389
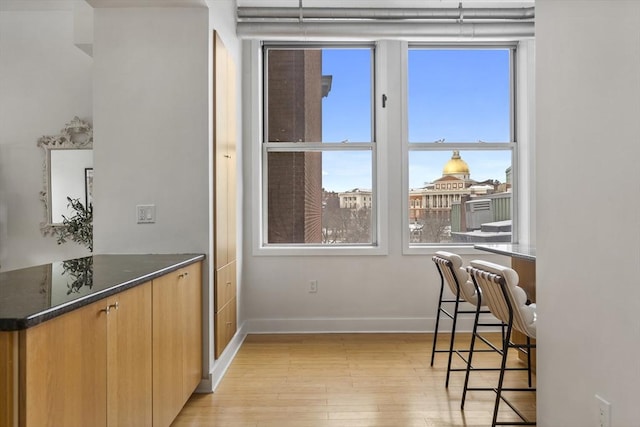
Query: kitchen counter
32	295
526	252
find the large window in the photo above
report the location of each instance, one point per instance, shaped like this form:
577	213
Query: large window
321	184
460	145
318	151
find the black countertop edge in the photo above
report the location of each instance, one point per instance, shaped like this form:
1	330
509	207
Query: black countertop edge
8	325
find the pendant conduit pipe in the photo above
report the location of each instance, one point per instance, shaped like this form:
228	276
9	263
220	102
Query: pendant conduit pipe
368	31
375	23
274	14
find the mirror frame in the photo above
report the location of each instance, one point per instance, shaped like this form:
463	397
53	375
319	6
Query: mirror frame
76	135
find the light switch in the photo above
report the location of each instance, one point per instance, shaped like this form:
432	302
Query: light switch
146	214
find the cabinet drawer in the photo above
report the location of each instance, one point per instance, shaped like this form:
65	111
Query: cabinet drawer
225	326
225	285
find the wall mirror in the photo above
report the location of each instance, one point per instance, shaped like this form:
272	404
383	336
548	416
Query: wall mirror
67	172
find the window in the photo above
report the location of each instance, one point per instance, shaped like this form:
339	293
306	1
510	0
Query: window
460	144
318	150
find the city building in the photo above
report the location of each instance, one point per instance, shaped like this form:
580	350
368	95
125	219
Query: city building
296	87
456	208
357	198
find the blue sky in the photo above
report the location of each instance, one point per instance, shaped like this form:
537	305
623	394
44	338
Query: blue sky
455	95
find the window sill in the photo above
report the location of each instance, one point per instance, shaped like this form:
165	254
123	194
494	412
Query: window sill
430	250
319	251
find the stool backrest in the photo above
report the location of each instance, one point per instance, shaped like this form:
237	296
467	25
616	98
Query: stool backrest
450	266
503	296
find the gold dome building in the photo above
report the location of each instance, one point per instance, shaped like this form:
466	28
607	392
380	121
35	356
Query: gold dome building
437	211
456	167
440	194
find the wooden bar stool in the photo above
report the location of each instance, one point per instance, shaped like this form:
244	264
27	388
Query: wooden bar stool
508	302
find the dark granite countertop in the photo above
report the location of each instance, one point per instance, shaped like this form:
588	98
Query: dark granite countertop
32	295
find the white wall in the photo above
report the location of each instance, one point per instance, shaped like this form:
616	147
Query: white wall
151	129
588	234
391	292
222	18
44	82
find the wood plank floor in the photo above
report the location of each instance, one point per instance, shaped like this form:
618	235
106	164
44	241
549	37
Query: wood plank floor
351	380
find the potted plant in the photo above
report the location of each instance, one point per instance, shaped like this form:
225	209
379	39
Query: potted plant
79	227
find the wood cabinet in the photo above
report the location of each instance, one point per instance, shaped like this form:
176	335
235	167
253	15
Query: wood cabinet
177	341
224	155
90	366
192	334
128	355
8	378
64	370
224	208
131	359
225	306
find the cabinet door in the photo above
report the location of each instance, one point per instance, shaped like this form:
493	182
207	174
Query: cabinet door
64	370
8	377
224	154
225	286
225	321
167	350
225	293
177	341
129	358
191	288
231	167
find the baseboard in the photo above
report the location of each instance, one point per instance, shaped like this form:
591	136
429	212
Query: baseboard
354	325
223	362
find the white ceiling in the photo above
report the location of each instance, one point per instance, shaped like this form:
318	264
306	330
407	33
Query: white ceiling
147	3
67	4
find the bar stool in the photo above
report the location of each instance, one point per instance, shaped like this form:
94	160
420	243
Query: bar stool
508	302
452	272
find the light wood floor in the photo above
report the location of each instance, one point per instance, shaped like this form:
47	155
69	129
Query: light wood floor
349	380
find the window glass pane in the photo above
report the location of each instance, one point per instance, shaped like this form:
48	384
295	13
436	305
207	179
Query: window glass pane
320	198
460	196
459	95
319	95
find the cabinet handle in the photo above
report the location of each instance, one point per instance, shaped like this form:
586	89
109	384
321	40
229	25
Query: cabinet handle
228	324
181	275
108	308
228	283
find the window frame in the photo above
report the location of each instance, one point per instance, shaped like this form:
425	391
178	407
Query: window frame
391	155
378	244
411	248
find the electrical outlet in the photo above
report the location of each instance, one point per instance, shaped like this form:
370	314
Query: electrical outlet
313	286
604	412
146	214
